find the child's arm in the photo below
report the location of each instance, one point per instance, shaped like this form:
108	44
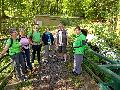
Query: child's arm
4	51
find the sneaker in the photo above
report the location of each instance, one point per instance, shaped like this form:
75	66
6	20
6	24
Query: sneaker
50	56
24	78
65	60
46	61
74	73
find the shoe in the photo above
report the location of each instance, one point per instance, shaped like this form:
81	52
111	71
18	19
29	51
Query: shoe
65	60
26	71
74	73
25	78
50	56
46	61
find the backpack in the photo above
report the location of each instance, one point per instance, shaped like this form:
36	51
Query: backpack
84	31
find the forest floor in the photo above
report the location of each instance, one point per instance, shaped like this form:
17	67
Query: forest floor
56	75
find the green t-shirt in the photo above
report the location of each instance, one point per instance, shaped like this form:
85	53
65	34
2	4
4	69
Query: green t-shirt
35	37
15	48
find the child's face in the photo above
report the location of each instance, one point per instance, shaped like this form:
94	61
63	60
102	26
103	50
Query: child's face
36	27
47	29
14	34
21	32
77	31
60	27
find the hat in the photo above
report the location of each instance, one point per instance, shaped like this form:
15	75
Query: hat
12	30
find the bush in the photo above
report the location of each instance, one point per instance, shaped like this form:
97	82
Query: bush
65	21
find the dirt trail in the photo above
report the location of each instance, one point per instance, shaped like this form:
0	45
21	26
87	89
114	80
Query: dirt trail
56	75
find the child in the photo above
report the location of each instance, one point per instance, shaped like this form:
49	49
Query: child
35	40
61	42
48	41
79	45
25	47
14	47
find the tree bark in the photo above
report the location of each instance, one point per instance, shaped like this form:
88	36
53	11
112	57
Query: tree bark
42	7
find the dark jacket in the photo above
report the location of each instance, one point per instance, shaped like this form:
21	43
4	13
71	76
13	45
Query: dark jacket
46	37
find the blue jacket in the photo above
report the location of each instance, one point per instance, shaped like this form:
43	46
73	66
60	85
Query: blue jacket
46	38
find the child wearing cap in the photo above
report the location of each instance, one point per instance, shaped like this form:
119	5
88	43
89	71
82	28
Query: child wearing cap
14	47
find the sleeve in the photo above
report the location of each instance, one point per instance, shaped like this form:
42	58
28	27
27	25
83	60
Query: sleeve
8	43
29	33
43	37
66	33
40	34
20	43
52	38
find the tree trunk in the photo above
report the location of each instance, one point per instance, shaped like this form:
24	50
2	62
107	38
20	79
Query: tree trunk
57	7
42	7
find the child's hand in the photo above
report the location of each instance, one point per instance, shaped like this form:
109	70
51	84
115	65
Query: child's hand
0	55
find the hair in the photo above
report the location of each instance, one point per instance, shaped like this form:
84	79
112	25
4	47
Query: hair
21	29
48	28
60	25
84	31
78	27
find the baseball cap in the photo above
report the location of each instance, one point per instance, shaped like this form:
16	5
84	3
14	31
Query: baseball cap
12	30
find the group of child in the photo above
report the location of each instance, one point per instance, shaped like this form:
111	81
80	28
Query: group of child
19	48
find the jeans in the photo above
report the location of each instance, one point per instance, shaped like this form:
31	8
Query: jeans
36	48
77	63
19	65
49	51
26	55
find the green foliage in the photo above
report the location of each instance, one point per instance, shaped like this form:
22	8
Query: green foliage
17	13
6	71
21	13
65	21
76	80
97	9
23	84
